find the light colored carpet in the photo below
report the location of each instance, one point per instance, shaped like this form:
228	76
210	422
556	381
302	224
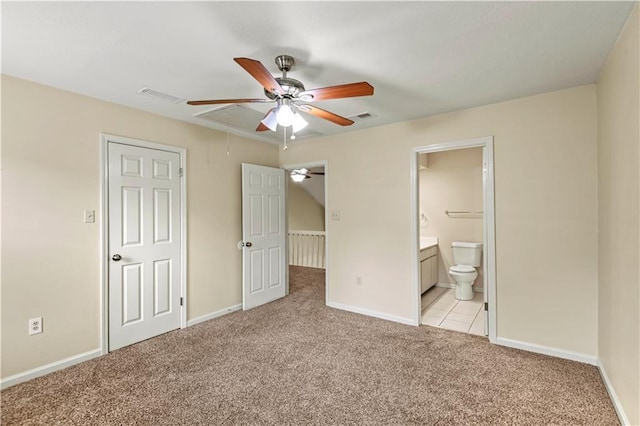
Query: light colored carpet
296	361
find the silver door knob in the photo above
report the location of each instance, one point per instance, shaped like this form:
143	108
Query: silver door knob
116	257
242	244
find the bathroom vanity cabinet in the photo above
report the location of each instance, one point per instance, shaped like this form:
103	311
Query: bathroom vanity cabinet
428	267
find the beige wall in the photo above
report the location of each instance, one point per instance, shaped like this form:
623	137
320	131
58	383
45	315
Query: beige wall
619	218
305	214
546	203
452	180
51	173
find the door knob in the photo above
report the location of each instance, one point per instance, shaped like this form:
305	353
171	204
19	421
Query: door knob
242	244
116	257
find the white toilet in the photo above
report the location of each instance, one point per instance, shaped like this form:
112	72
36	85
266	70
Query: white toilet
467	257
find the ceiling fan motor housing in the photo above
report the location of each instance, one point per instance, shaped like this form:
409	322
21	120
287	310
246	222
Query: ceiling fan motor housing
291	86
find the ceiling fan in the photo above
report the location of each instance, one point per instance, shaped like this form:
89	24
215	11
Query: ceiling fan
289	93
298	175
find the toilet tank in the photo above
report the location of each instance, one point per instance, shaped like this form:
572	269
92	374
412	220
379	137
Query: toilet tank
465	253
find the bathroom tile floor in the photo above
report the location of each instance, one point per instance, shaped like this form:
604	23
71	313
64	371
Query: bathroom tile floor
441	309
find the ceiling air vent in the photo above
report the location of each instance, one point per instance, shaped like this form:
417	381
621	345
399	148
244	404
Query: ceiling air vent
362	117
147	91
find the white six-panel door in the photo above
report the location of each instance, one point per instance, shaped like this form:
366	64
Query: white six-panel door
264	235
144	243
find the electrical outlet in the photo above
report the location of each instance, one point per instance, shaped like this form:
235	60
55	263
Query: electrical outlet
358	280
335	214
35	326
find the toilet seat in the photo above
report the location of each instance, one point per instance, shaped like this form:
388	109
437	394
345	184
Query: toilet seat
462	269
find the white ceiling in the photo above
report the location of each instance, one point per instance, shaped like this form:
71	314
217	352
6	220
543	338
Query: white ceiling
423	58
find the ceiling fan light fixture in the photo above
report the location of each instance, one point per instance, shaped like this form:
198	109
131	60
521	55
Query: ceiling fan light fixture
298	123
271	121
297	178
298	175
285	115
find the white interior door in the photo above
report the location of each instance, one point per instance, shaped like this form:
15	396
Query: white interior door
264	260
144	243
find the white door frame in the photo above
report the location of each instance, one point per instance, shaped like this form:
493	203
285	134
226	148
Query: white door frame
308	165
104	227
488	218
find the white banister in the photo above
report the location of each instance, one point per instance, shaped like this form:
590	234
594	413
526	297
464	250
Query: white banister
307	248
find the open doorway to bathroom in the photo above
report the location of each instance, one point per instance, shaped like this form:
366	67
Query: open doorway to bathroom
306	218
455	217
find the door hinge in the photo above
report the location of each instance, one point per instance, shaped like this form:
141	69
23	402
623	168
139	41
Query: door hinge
181	171
486	306
181	301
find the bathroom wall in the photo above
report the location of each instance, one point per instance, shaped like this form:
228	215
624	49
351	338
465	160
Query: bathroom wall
619	219
305	214
452	180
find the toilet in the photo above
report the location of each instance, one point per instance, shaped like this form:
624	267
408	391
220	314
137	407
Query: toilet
467	257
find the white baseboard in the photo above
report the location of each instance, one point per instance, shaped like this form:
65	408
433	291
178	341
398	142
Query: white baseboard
546	350
447	285
213	315
68	362
371	313
49	368
612	394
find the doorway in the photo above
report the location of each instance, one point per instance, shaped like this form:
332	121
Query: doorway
144	240
487	228
307	216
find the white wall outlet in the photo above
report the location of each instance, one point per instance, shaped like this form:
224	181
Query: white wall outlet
358	280
35	326
335	214
89	216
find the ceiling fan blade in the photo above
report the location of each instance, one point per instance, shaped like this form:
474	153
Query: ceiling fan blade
321	113
261	127
260	73
227	101
343	91
316	173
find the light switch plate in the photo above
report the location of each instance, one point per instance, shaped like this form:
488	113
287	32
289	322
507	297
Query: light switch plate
89	216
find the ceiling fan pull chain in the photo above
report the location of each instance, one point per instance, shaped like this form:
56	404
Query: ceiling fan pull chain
284	129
